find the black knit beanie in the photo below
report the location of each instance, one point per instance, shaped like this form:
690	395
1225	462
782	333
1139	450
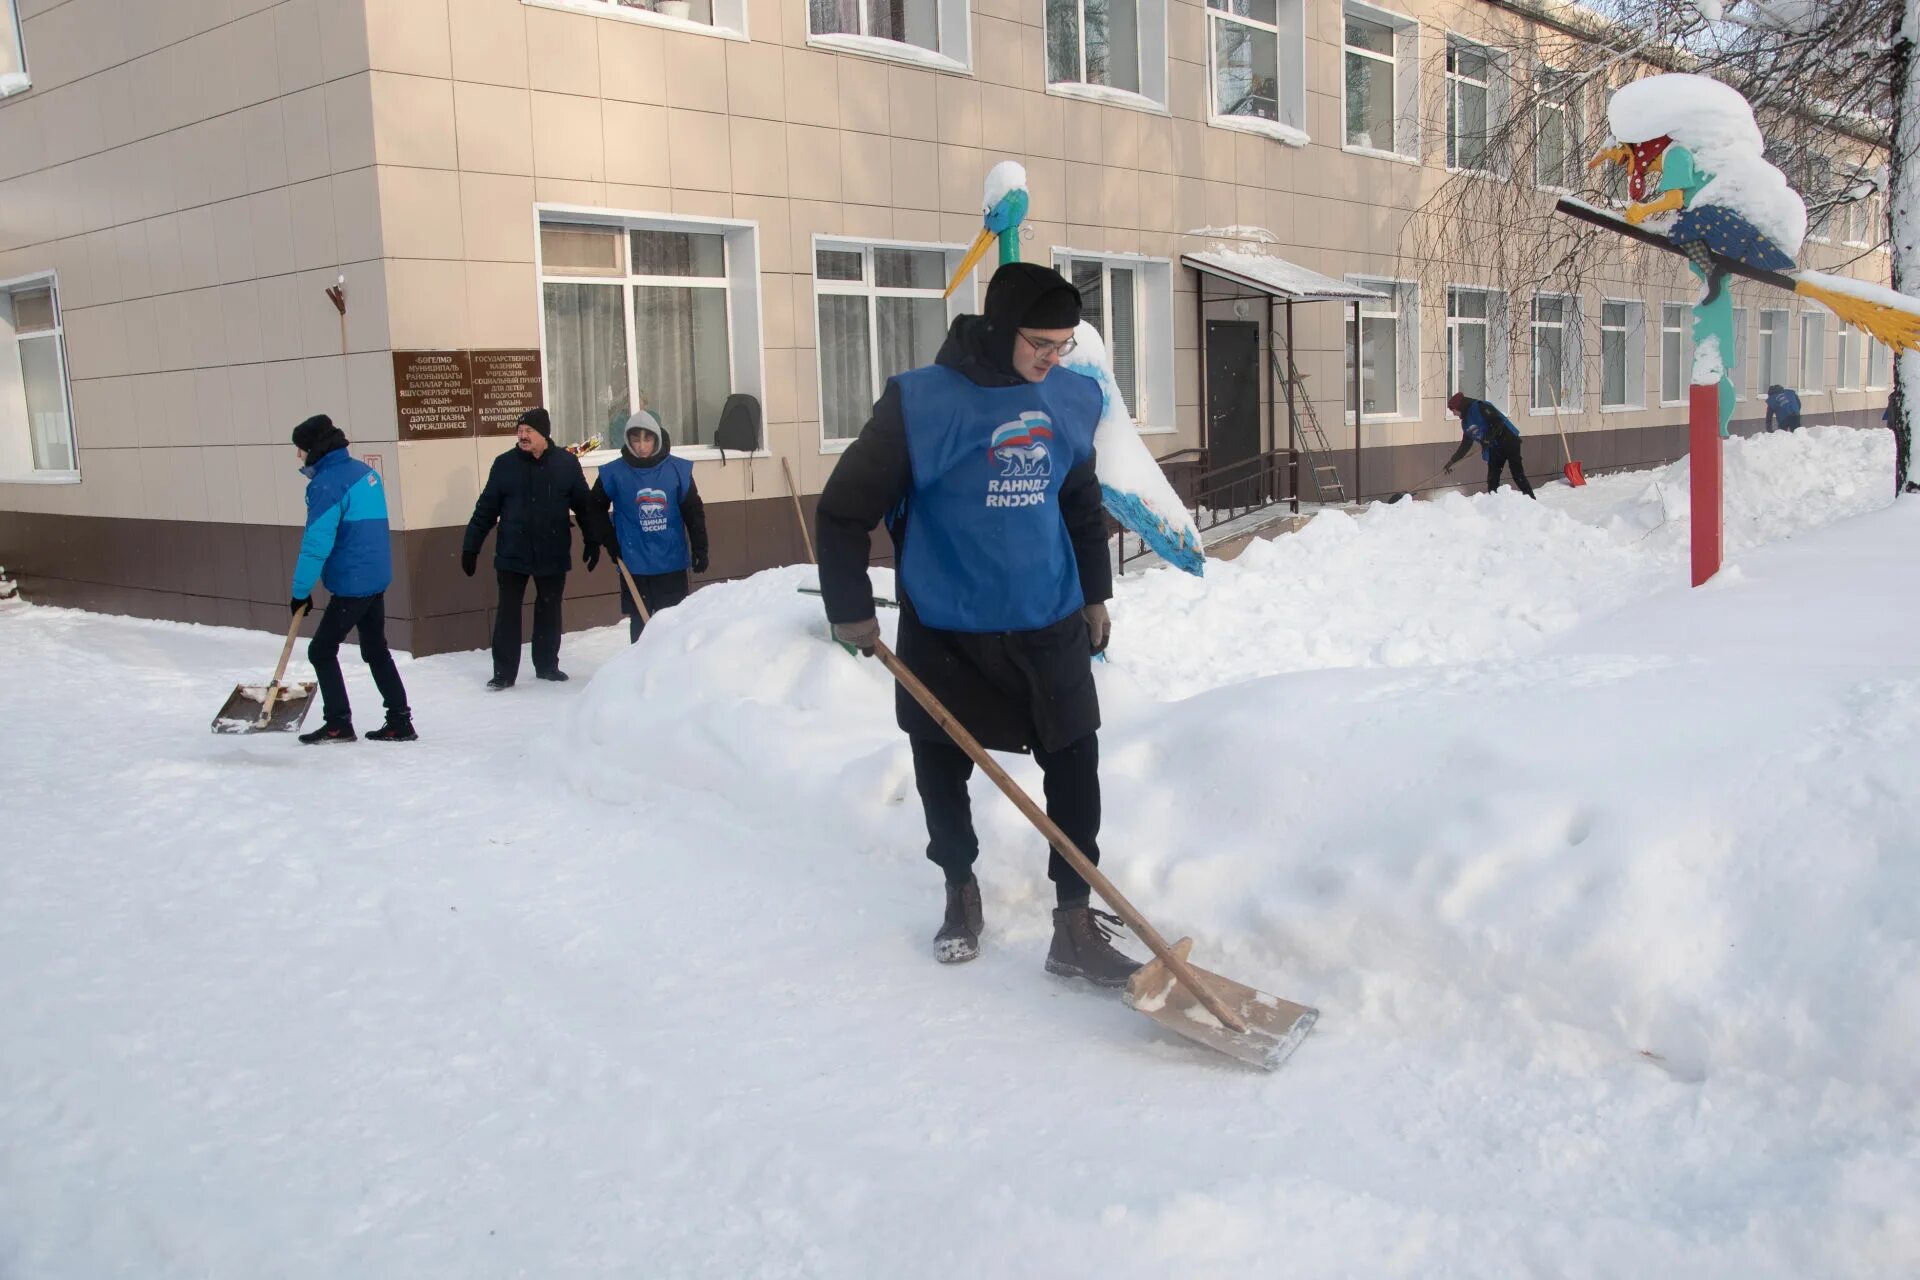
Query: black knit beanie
311	432
539	421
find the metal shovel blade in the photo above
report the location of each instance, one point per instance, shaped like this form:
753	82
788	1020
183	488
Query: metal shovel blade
1275	1027
243	708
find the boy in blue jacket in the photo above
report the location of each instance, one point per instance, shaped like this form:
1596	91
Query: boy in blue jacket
345	549
1483	424
659	521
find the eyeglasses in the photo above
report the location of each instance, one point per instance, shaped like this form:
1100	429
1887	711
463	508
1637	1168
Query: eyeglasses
1047	346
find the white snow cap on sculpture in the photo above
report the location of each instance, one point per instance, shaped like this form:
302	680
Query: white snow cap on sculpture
1715	123
1008	175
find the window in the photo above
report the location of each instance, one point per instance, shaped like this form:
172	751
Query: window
36	426
1471	326
1813	353
1737	371
1380	65
1129	302
879	313
1773	351
1470	105
1846	358
1676	353
1879	366
1258	52
1556	352
1389	350
1118	46
727	17
932	32
1623	360
1556	158
13	53
642	313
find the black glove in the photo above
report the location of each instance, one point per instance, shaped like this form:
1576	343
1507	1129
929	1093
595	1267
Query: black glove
300	605
858	636
591	556
699	562
1099	626
1447	470
469	561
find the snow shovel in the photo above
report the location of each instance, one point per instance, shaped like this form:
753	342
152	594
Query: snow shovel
632	590
1256	1028
268	708
1572	470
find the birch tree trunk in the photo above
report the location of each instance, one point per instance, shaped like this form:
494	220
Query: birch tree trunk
1903	205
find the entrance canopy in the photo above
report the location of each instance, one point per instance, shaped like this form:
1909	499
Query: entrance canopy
1278	278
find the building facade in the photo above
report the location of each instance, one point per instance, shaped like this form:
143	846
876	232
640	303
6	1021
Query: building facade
420	216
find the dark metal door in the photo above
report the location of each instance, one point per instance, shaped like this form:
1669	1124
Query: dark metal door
1233	396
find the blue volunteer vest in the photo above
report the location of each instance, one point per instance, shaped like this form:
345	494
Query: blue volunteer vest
646	513
987	549
1485	428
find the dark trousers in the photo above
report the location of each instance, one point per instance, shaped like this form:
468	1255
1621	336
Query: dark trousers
657	591
547	590
369	615
941	770
1508	457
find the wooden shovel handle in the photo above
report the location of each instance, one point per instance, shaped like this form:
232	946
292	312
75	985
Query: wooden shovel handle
799	512
638	603
279	671
1058	838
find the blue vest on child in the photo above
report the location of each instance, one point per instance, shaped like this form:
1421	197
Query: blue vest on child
646	513
986	547
1487	426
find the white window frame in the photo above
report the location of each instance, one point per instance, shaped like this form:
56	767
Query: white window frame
1633	342
14	377
1290	74
1153	390
1150	19
729	16
1738	371
1499	357
954	19
1773	352
1495	86
1685	357
1846	358
1404	297
1813	324
1572	358
1570	109
956	305
22	80
746	339
1879	366
1405	63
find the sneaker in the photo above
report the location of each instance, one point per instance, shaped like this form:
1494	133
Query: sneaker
1083	948
329	733
500	682
555	674
959	936
396	729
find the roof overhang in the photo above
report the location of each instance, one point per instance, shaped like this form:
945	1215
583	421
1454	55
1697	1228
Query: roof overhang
1278	278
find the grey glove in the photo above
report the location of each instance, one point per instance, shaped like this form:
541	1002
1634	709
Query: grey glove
1099	625
858	637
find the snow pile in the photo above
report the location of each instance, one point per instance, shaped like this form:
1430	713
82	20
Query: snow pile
1715	123
1005	177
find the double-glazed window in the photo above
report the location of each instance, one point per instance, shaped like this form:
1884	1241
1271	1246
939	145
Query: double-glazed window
643	316
1813	353
1556	159
1110	302
1389	341
1622	356
1737	371
729	15
1556	351
1257	50
1379	69
909	22
1470	333
1773	350
13	51
36	426
878	312
1879	366
1470	105
1676	353
1095	42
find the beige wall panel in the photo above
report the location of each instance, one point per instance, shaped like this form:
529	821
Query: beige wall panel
325	380
412	37
370	397
247	390
696	72
270	219
427	304
997	52
562	51
102	414
286	395
280	337
488	40
759	156
773	217
866	170
176	489
420	214
957	105
916	175
111	480
920	225
638	199
813	164
503	305
914	110
493	128
865	95
220	469
303	127
570	191
636	144
343	38
703	204
439	480
813	88
874	221
349	109
699	150
496	217
633	63
567	138
413	122
240	321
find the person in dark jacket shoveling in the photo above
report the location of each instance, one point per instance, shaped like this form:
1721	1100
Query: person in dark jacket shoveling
529	492
1482	423
659	521
982	466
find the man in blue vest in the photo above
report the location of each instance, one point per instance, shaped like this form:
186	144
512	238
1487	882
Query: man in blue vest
1483	424
658	518
345	548
982	466
1783	408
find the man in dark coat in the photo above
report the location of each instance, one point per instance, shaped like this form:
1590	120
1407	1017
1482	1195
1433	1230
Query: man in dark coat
529	492
982	466
658	519
1482	423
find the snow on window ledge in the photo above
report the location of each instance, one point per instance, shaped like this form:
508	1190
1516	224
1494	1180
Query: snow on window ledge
691	452
1107	96
43	477
1548	411
1621	408
833	448
14	82
645	17
1156	431
1265	128
1377	154
887	50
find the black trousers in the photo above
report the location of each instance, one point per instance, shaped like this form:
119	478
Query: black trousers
657	591
941	770
547	590
1508	457
368	614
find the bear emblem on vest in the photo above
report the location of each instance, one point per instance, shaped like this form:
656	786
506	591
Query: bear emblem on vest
1020	446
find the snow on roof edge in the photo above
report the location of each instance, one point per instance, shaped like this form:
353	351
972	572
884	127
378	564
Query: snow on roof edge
1278	276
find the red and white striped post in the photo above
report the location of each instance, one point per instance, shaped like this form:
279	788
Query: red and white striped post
1704	467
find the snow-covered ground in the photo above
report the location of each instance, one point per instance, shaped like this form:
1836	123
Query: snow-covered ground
1608	892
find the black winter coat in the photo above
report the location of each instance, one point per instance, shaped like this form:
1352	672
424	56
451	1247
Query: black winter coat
1012	689
530	499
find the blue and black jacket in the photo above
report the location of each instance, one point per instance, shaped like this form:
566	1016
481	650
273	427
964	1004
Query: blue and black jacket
1482	423
657	515
345	546
1783	406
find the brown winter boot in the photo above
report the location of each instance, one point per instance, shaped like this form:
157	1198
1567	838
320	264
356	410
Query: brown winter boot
959	936
1082	947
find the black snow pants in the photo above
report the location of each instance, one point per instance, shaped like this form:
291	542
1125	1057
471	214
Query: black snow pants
343	614
941	770
657	591
547	592
1507	454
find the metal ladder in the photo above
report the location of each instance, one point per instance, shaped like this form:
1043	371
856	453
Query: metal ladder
1313	439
